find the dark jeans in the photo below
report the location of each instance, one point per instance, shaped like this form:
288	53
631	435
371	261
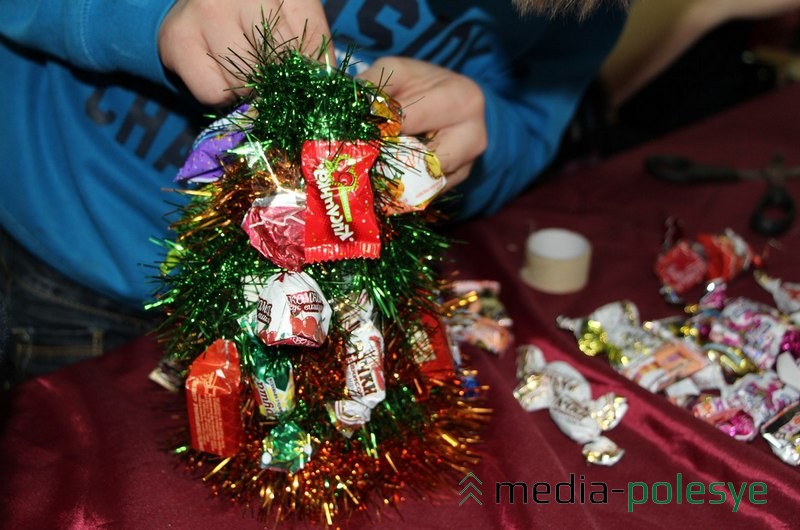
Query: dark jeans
48	321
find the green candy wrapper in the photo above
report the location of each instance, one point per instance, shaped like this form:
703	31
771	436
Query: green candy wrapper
271	377
286	448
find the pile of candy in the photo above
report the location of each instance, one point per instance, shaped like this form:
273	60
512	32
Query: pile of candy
719	359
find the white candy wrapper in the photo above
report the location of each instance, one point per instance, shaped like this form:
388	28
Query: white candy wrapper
785	294
561	389
414	171
782	433
292	310
365	386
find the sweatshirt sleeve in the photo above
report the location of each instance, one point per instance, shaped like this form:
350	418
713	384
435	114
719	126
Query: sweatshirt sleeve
525	118
100	35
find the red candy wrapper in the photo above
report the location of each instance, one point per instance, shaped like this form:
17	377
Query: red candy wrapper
292	311
681	267
727	254
684	264
213	398
340	214
433	355
276	226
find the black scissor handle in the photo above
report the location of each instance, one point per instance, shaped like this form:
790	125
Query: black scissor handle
680	170
774	213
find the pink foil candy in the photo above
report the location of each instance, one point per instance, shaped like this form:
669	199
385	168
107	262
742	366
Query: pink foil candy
739	426
276	226
791	342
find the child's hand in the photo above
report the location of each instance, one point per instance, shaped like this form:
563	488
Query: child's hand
196	32
438	101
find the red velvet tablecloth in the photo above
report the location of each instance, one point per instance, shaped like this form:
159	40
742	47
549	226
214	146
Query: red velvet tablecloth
83	447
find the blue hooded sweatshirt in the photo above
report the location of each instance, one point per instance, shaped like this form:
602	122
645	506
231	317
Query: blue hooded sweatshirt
93	131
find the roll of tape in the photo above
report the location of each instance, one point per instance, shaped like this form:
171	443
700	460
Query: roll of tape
556	261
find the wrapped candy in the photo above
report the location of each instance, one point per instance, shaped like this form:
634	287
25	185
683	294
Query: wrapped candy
782	432
729	419
757	329
414	173
476	315
613	329
681	267
340	216
684	264
672	361
389	109
761	396
727	254
562	390
213	389
435	352
438	355
683	392
286	448
480	331
785	294
271	378
210	148
733	360
482	297
291	310
739	426
276	226
365	387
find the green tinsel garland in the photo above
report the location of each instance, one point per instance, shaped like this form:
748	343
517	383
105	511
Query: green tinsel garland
422	432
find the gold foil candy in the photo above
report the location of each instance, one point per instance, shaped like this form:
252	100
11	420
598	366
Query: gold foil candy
732	359
602	452
608	410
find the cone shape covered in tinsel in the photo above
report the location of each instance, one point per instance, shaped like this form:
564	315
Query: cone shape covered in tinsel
302	302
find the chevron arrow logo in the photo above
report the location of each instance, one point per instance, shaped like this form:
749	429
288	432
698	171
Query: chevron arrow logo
470	490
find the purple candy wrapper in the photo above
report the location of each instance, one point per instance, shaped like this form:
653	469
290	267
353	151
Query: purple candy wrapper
205	161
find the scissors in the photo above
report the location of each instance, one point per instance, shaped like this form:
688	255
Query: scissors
775	210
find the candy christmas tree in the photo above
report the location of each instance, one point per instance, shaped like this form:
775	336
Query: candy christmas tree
301	296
